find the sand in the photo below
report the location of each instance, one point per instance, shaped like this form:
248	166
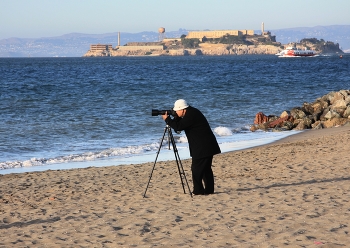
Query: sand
292	193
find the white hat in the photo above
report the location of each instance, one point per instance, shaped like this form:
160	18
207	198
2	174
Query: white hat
180	104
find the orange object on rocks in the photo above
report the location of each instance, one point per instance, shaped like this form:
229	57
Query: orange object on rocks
260	118
280	121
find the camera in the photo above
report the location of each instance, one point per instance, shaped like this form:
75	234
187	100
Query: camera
156	112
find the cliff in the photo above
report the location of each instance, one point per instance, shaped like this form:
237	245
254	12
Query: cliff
203	49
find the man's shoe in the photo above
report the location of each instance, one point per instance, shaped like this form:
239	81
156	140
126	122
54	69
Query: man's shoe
198	193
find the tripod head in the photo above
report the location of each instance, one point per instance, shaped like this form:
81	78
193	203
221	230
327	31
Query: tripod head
169	127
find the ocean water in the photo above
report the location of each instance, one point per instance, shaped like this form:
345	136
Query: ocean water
60	113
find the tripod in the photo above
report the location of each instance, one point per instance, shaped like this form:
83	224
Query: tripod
180	168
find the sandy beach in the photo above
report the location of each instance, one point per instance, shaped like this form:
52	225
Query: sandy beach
292	193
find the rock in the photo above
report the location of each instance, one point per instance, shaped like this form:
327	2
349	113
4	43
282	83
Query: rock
329	97
300	126
308	108
279	129
345	92
253	128
346	113
318	106
288	125
315	116
279	122
177	52
307	122
336	97
297	113
260	118
263	126
332	114
339	110
334	122
284	114
339	104
347	99
304	122
273	117
318	126
324	112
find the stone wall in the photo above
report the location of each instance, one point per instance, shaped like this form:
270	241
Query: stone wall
141	48
143	44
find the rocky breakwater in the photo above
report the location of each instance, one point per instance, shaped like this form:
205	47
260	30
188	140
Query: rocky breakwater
330	110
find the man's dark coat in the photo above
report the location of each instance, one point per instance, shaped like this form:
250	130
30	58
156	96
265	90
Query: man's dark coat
201	140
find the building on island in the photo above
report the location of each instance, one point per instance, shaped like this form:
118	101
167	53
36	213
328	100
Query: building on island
100	47
217	33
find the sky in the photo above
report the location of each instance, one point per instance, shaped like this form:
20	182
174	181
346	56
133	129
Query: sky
49	18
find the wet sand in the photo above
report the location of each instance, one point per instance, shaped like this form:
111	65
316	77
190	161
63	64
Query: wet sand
292	193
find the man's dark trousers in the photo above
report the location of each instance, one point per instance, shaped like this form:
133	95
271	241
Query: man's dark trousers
202	172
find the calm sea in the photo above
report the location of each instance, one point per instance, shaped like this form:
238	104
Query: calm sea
59	113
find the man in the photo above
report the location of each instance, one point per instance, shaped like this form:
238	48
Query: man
202	144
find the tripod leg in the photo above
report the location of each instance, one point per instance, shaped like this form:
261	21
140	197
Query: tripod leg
183	176
154	165
179	164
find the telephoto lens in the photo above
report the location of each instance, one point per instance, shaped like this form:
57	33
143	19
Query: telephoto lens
156	112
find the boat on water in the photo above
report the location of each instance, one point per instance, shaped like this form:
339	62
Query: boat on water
293	51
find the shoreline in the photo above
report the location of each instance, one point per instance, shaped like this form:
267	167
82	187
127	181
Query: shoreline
307	134
294	191
240	143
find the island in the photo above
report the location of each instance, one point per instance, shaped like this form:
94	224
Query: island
211	43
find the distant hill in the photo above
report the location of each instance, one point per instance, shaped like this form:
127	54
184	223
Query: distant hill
335	33
76	44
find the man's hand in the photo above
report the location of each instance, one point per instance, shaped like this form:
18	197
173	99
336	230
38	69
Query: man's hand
165	115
